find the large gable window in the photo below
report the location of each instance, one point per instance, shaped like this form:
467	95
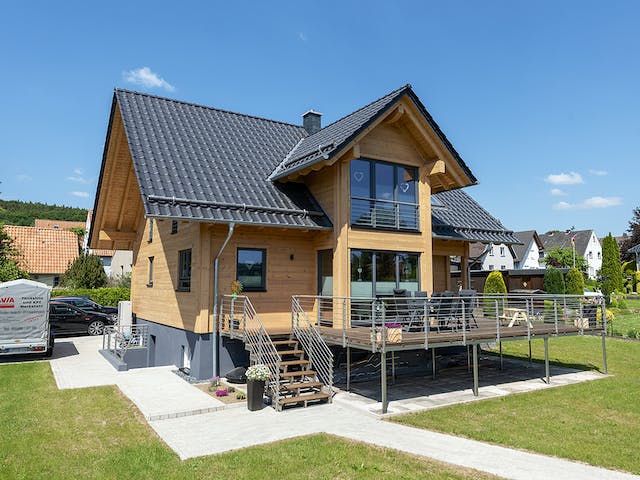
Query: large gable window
384	195
251	269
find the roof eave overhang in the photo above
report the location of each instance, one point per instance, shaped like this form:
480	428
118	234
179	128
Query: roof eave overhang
239	222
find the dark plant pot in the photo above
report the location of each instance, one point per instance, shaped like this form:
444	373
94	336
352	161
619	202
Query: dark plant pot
590	312
255	392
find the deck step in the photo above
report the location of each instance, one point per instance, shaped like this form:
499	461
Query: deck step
291	363
300	373
287	387
285	342
290	352
303	398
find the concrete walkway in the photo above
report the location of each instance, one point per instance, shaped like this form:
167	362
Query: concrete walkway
157	392
194	424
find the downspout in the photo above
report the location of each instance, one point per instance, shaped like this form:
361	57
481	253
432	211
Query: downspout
214	330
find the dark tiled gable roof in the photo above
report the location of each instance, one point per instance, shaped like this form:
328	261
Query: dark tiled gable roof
563	240
525	237
205	164
332	138
635	249
457	216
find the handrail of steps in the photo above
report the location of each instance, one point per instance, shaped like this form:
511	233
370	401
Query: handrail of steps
320	356
240	320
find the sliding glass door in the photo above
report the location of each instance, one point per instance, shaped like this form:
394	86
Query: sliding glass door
378	273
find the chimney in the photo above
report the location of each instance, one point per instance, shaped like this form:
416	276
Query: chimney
311	121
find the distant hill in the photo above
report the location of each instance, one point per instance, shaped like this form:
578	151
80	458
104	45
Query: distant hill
16	212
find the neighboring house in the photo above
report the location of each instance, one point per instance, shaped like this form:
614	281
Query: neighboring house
202	196
57	224
527	254
491	257
586	243
117	263
46	253
636	251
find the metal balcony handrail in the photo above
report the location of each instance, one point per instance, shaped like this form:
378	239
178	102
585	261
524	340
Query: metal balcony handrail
308	334
239	319
117	339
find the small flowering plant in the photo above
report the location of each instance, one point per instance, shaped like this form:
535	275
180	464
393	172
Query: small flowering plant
393	325
236	288
222	392
258	372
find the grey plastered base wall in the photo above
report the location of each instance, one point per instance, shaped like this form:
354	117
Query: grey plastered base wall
167	344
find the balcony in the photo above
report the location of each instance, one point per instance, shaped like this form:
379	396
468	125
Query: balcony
384	214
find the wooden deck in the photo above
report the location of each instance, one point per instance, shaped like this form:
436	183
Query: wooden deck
485	332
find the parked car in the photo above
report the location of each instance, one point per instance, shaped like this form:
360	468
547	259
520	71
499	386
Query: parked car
66	319
88	305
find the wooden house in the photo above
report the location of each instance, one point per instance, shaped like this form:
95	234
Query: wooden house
370	203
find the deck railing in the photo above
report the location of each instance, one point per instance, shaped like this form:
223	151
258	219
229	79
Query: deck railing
308	334
238	319
117	339
454	319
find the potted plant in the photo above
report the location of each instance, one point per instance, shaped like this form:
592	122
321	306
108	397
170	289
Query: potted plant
236	288
257	375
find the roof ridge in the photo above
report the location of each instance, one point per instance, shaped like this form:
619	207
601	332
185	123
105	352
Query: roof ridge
206	107
394	92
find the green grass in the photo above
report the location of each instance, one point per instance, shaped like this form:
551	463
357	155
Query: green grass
627	320
97	433
595	422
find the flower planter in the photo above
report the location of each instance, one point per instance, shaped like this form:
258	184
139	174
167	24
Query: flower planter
394	335
255	392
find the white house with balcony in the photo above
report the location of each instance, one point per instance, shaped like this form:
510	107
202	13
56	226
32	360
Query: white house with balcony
585	242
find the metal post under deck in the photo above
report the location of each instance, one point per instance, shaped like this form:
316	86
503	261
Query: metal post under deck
393	367
546	359
501	359
433	362
475	369
468	359
530	359
348	368
383	379
604	353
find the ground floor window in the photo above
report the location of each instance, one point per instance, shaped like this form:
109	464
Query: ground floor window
375	273
251	270
184	270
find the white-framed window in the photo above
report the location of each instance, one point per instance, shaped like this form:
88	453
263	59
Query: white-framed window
502	251
491	267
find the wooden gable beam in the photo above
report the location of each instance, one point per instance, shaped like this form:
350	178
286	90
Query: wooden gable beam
116	236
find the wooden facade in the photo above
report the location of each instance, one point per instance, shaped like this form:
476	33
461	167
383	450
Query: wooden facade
401	136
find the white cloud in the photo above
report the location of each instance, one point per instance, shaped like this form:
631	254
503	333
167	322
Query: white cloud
77	171
302	37
589	203
571	178
145	77
598	173
79	179
602	202
556	192
80	194
23	177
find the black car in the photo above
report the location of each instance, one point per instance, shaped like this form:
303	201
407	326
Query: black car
87	304
65	319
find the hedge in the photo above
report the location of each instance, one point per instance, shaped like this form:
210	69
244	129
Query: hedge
104	296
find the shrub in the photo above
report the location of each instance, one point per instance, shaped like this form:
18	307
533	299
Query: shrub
554	281
629	267
240	396
493	286
611	271
86	271
103	296
574	282
633	333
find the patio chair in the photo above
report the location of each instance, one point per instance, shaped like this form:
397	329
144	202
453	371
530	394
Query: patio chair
444	305
468	297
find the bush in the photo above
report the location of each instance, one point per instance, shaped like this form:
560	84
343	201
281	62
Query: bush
86	271
574	282
554	281
493	286
633	333
103	296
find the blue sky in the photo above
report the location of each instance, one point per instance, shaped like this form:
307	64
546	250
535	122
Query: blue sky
541	99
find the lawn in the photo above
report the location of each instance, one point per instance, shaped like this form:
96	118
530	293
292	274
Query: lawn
595	422
627	320
98	433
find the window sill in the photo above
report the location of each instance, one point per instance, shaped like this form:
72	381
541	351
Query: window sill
253	290
183	289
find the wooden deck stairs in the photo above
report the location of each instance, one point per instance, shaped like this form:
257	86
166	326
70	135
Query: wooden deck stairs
299	384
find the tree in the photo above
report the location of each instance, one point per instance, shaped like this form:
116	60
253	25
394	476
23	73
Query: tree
574	282
9	258
563	258
611	271
86	271
554	281
495	283
634	236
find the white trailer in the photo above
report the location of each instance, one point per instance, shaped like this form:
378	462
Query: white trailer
24	318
